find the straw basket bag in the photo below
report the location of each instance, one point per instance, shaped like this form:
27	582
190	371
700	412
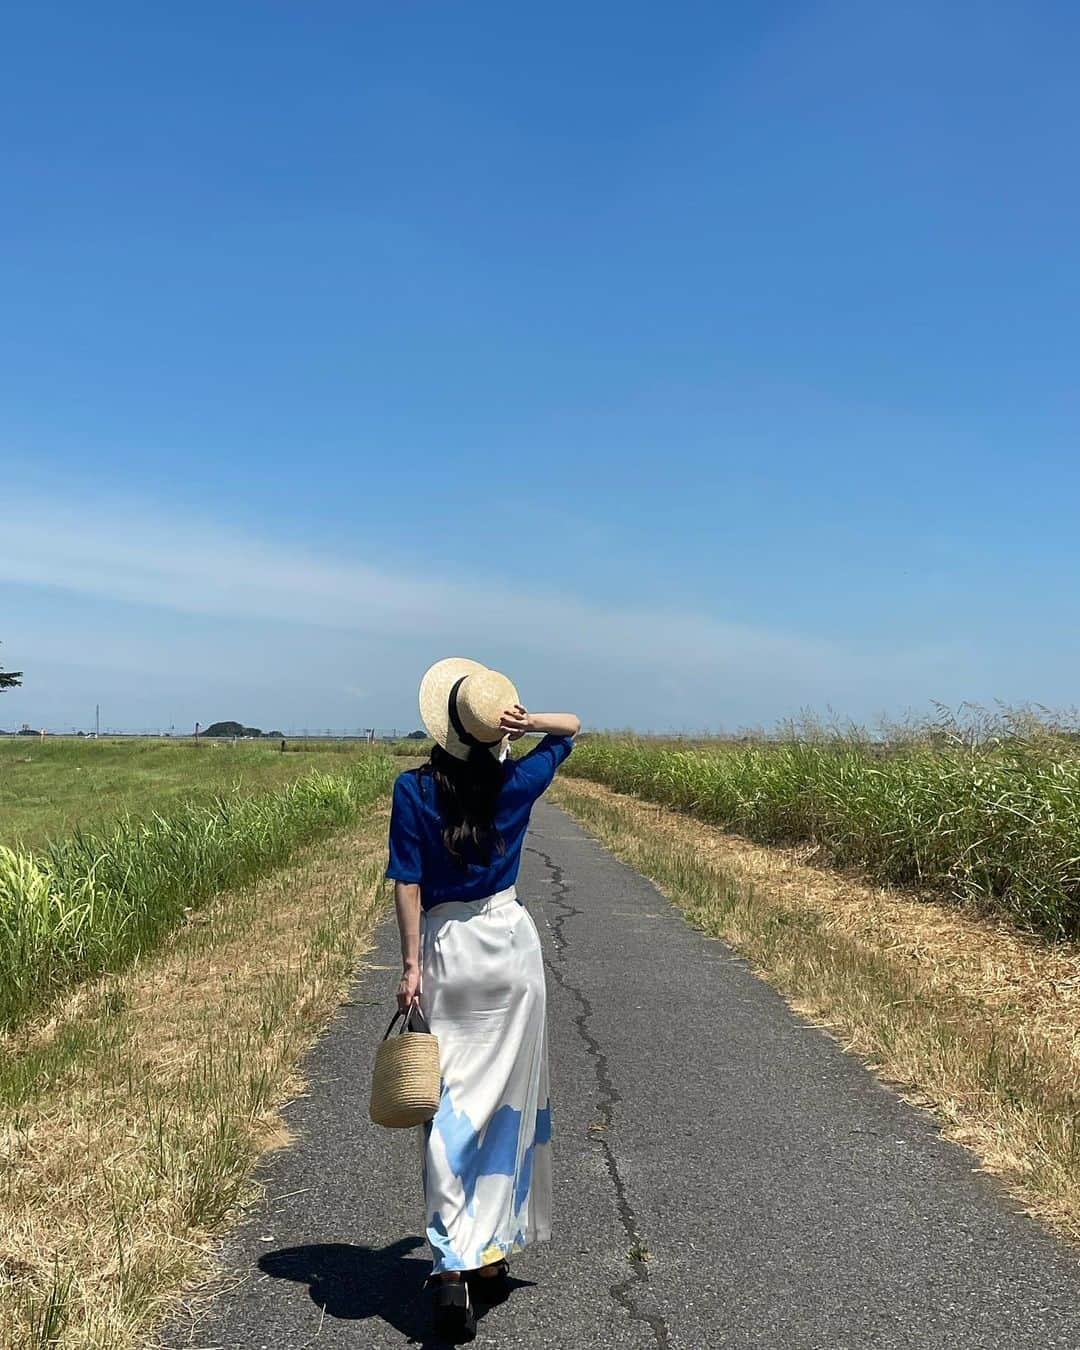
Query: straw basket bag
405	1084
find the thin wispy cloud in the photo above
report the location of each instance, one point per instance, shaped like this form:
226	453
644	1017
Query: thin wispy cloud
660	666
194	567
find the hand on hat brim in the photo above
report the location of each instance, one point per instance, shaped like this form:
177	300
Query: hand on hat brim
515	721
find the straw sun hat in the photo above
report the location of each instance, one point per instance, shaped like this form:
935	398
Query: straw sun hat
461	703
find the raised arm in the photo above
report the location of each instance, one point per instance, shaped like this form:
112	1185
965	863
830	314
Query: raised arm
518	722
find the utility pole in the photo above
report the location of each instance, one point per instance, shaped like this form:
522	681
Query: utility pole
97	721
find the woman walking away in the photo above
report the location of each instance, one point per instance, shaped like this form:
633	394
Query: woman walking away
471	958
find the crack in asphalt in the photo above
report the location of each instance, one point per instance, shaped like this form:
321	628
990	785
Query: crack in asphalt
607	1099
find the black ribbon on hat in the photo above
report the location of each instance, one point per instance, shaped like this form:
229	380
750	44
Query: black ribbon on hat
459	726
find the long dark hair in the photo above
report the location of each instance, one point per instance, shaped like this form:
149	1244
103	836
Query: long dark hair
468	792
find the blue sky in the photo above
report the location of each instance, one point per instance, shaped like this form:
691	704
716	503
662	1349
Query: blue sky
694	363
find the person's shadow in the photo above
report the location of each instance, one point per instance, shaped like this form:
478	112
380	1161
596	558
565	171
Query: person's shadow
352	1282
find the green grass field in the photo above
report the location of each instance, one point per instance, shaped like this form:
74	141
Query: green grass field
50	788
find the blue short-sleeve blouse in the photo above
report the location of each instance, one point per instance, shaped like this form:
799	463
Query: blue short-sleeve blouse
417	851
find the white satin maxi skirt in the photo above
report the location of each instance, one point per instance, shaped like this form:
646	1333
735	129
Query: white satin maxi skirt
487	1153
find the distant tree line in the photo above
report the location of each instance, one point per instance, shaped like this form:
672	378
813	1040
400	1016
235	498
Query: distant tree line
238	729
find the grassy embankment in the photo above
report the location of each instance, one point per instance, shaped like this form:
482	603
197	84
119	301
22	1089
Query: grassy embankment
956	982
994	827
90	903
132	1106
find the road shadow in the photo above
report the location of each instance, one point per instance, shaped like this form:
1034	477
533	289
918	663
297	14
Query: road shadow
355	1283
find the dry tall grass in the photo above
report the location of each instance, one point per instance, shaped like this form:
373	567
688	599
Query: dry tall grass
130	1119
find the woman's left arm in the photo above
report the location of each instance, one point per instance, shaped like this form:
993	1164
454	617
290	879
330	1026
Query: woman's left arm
407	905
518	720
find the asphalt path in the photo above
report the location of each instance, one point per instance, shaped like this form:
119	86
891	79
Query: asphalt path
724	1174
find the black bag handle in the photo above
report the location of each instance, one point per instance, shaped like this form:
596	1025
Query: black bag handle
414	1007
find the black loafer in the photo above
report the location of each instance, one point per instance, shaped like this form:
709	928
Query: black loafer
455	1316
